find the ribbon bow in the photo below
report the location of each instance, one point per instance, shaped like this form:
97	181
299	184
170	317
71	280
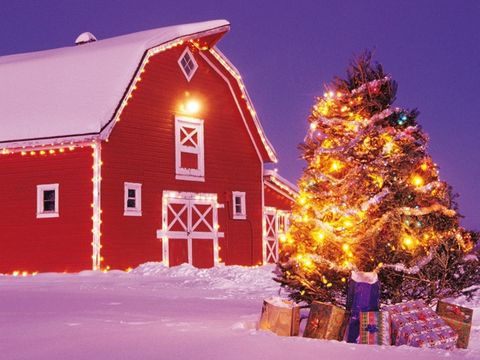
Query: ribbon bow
371	328
456	310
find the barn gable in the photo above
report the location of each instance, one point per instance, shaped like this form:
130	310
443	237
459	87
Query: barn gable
90	86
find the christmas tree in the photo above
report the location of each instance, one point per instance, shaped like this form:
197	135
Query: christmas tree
371	199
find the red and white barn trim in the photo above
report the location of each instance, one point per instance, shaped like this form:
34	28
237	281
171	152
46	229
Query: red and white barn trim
138	151
279	198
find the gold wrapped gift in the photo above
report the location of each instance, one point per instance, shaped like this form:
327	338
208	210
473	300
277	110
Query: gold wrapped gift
459	319
281	316
326	321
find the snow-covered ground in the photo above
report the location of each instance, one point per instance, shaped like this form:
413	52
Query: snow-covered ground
158	313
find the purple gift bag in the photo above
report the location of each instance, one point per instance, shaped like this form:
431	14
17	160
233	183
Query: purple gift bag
363	295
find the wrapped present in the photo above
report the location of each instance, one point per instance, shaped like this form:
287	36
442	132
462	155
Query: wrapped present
375	328
459	319
415	324
363	295
326	321
281	316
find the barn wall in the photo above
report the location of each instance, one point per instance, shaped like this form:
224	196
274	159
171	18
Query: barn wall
141	149
277	200
46	244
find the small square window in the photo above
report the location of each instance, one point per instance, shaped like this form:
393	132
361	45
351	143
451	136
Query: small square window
187	64
47	201
133	199
239	207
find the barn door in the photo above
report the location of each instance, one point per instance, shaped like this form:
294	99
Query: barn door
276	224
190	229
270	238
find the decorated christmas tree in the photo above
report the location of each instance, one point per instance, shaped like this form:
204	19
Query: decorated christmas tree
371	200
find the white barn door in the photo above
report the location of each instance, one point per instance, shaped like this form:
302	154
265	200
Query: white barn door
270	237
276	224
189	229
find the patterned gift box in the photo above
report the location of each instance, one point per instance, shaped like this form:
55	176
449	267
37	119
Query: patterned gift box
415	324
459	319
326	321
280	316
375	328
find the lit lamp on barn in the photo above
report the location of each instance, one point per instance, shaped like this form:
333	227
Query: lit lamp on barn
190	106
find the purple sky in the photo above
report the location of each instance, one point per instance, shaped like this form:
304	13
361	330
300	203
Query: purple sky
287	50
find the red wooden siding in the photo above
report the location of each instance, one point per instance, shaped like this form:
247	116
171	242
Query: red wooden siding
46	244
277	200
141	149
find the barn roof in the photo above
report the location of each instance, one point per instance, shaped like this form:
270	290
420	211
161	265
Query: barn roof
278	183
73	92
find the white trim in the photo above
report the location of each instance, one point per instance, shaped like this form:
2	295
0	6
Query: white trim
137	210
235	73
195	64
274	174
182	122
236	102
190	178
242	215
96	205
280	191
41	213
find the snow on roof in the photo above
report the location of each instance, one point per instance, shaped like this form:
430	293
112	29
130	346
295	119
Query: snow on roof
271	176
74	91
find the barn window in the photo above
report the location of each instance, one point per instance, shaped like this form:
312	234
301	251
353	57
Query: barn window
187	64
47	201
189	149
239	207
132	199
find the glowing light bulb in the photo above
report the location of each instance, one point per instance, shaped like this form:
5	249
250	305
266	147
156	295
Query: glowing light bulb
417	180
336	165
408	242
318	235
192	106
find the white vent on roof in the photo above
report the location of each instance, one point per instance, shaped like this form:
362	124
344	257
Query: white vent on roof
187	64
84	38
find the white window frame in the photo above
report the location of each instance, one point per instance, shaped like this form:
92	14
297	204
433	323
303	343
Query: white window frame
41	213
242	215
137	211
197	174
195	64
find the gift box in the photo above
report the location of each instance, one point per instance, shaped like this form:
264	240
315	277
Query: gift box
280	316
415	324
459	319
326	321
363	295
375	328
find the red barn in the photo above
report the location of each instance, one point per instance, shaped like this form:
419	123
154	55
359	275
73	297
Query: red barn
142	147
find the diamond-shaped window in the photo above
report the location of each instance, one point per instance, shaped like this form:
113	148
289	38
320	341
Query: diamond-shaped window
188	64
